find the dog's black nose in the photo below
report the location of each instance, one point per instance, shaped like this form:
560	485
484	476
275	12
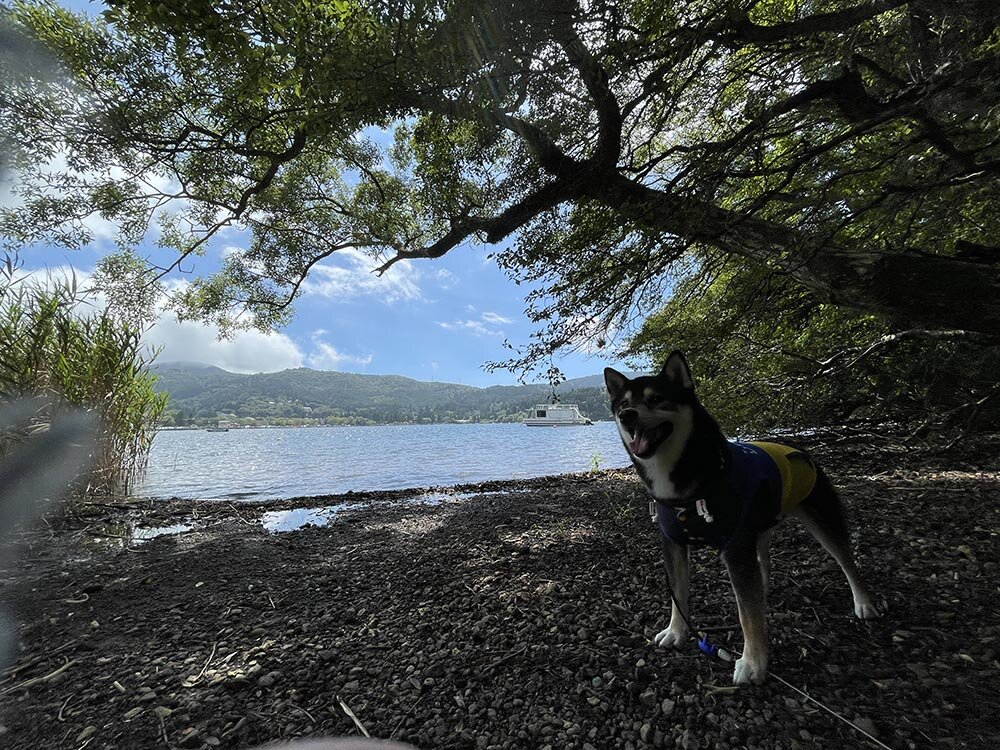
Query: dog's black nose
629	419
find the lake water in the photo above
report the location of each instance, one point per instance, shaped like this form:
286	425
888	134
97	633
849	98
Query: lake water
289	462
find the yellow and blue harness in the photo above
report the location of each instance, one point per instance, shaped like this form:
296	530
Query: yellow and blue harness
766	480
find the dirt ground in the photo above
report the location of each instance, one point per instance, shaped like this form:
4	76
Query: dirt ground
504	615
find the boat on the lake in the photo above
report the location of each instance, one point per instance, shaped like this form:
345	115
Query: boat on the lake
556	415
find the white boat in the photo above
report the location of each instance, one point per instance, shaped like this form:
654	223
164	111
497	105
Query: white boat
556	415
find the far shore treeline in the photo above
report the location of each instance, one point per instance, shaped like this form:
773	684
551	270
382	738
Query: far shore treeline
202	396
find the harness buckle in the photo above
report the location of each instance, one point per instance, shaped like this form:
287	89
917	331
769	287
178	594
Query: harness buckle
702	508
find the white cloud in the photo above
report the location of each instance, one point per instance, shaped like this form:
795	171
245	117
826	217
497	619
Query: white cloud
246	351
190	341
485	326
471	326
495	319
446	279
348	276
326	357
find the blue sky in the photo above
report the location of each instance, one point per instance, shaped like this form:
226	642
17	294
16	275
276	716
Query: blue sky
430	320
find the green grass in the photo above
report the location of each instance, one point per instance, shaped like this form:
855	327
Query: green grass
53	350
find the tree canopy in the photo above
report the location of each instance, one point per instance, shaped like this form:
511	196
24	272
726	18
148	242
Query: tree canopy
849	148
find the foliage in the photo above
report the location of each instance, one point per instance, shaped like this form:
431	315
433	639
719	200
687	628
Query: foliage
767	354
68	360
202	396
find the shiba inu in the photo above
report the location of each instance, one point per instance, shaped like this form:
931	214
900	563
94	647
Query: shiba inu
728	495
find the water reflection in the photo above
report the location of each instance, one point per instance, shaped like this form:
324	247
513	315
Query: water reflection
297	518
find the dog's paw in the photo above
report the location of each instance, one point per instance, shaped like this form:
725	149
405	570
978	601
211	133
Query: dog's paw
672	637
750	670
866	609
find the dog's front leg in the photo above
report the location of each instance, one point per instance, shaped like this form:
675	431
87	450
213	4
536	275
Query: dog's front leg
748	584
675	560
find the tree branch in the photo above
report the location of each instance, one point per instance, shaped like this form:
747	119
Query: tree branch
742	29
496	228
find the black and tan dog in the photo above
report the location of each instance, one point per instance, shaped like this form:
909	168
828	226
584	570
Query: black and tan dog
728	495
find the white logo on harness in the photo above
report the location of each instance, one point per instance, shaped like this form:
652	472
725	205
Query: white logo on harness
702	508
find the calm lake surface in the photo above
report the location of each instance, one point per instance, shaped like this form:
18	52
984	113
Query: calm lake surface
289	462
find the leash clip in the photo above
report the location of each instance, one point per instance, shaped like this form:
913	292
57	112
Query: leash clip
710	649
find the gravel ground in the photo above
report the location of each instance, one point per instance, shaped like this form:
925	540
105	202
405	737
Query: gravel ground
505	615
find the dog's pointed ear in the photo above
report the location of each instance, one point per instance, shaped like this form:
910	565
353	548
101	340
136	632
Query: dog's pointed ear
615	382
677	370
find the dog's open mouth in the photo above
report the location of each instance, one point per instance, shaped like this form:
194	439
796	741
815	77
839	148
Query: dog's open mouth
645	440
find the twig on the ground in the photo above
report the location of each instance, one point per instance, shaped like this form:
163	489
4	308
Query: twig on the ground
11	671
511	655
406	716
235	728
207	661
62	708
39	680
357	722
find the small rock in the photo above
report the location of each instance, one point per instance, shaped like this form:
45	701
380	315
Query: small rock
648	698
162	712
133	712
148	696
646	732
668	706
269	679
866	725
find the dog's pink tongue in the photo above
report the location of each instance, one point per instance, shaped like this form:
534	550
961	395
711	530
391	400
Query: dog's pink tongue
639	444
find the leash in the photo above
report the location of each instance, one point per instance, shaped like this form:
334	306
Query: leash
710	649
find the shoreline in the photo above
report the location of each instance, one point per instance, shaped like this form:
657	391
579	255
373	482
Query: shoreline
519	617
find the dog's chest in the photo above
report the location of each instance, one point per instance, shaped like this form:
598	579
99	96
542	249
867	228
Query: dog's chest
657	476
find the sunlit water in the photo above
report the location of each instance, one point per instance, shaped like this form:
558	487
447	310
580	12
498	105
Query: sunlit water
288	462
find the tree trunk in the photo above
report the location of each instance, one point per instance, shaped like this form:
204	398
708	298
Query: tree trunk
910	287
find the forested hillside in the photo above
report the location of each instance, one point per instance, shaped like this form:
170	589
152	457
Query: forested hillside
201	395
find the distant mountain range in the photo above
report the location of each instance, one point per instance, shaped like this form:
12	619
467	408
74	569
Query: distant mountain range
202	395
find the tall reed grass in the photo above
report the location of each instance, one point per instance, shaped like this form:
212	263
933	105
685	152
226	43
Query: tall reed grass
53	350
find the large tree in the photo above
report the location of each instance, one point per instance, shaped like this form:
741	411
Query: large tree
849	146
